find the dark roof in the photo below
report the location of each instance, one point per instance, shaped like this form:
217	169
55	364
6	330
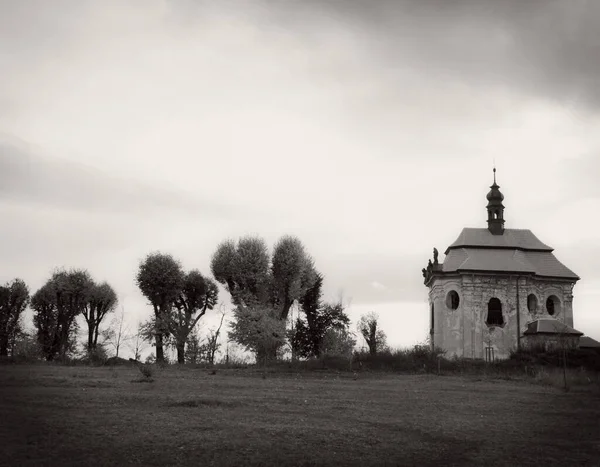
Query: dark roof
550	326
540	263
521	239
515	251
588	342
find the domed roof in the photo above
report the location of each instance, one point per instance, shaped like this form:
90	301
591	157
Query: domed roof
495	193
495	197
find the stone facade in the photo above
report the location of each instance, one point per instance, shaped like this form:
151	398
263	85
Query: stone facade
463	331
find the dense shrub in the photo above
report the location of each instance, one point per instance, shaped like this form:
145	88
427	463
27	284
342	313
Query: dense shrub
27	349
96	356
150	359
146	370
575	358
328	362
325	362
420	358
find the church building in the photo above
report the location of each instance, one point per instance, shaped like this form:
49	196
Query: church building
496	289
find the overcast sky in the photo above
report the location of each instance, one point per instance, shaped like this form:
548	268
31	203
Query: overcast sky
367	128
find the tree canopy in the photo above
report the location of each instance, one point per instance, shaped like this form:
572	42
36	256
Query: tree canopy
375	338
309	336
102	300
263	288
179	300
258	329
14	298
197	295
160	278
56	304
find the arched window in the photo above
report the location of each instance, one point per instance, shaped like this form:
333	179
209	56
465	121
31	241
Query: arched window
552	305
532	303
452	300
494	314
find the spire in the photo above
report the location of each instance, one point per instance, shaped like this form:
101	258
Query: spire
495	209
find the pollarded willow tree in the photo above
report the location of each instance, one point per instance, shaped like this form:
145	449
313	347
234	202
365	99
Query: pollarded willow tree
178	299
197	295
263	288
14	298
102	300
46	322
160	279
56	305
368	326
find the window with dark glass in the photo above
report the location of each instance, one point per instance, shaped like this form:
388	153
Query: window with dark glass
494	314
452	300
532	303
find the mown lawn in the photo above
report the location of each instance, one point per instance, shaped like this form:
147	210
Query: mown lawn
56	415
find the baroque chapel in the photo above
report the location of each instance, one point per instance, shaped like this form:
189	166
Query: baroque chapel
496	286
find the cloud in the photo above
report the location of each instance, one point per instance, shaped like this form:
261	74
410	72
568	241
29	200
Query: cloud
61	184
57	212
377	285
545	48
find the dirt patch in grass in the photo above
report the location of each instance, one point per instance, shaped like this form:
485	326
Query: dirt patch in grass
143	380
203	403
97	384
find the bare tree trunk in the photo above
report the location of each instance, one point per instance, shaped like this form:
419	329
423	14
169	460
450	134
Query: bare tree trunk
90	345
266	355
137	350
4	346
55	346
63	342
287	304
271	354
96	331
261	356
12	344
213	341
160	353
181	353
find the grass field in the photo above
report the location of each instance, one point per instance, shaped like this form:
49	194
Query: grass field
59	415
